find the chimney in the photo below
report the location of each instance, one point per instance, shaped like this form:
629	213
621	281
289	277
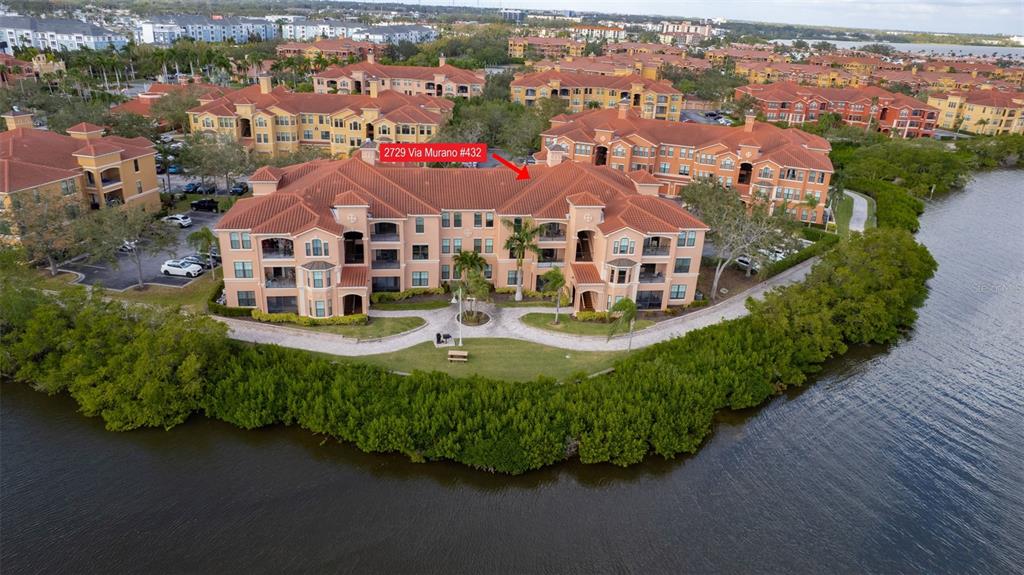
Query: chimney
748	121
374	87
368	152
556	153
370	57
17	119
265	83
441	60
623	108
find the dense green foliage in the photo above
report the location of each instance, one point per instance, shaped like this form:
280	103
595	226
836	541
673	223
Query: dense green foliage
137	366
352	319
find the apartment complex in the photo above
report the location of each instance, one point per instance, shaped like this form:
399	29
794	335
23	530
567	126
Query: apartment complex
989	112
589	33
272	121
642	64
537	47
788	167
142	103
166	29
319	238
302	30
340	48
395	33
83	168
442	80
895	114
720	56
684	33
652	99
808	74
858	65
634	48
56	34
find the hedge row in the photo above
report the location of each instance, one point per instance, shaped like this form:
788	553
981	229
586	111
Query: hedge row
353	319
391	296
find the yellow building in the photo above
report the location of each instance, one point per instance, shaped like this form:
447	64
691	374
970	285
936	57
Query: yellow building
650	99
83	169
806	74
271	121
544	47
988	112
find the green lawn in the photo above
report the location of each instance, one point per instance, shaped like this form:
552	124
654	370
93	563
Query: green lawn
376	327
508	359
193	296
407	305
566	324
844	211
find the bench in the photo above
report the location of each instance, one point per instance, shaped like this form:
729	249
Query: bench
455	355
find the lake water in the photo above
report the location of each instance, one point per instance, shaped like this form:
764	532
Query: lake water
1016	52
906	459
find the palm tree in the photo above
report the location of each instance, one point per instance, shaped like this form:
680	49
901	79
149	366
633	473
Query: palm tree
980	125
468	268
624	311
522	238
871	113
811	202
203	241
554	281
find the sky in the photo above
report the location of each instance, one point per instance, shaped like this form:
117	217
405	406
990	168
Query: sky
963	16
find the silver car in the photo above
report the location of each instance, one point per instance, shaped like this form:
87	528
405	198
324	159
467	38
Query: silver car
182	220
181	268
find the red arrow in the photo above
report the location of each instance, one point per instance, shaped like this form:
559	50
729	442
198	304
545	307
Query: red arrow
521	173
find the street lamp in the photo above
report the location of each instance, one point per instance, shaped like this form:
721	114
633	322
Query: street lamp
458	299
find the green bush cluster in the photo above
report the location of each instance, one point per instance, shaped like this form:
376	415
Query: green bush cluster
139	366
699	303
354	319
392	296
824	243
222	310
601	316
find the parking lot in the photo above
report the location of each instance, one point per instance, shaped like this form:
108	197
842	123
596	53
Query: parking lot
125	275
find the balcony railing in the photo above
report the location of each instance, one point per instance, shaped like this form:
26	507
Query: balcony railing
551	238
276	283
652	278
384	237
385	264
656	250
107	182
278	254
550	263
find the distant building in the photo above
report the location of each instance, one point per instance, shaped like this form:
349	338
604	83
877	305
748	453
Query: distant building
649	98
442	80
56	34
544	47
598	33
165	30
340	48
514	16
988	112
397	33
300	30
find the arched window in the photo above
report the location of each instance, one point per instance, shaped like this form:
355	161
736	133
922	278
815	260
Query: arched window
765	172
261	122
317	248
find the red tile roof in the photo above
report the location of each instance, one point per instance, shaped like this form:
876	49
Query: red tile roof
585	273
425	73
353	276
993	98
84	127
97	148
266	174
307	192
573	80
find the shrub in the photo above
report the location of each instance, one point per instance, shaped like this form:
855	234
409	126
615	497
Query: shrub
698	303
354	319
392	296
824	244
601	316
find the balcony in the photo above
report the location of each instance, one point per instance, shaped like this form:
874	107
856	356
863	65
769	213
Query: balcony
385	260
384	232
550	263
656	250
277	249
279	277
384	237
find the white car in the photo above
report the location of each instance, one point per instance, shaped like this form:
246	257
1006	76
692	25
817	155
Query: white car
182	220
745	262
181	268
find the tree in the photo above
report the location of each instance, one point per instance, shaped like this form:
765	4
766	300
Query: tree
468	262
130	125
128	228
203	241
736	229
497	86
173	107
43	225
624	312
213	156
554	282
522	238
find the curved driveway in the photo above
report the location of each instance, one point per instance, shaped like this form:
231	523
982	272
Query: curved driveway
504	323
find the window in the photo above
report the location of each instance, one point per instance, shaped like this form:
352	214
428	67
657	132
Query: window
318	279
445	220
421	252
488	272
135	164
765	172
317	248
513	277
678	291
138	187
682	266
457	245
68	187
446	272
684	170
686	239
243	269
457	220
320	308
488	246
477	245
246	299
261	122
240	240
663	168
478	220
419	225
489	219
420	279
623	246
446	246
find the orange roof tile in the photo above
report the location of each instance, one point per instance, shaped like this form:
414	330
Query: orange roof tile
84	128
353	276
585	273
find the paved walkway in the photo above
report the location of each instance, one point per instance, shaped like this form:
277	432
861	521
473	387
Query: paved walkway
504	323
860	211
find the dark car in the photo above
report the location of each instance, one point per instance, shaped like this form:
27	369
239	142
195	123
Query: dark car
174	169
191	188
207	205
207	189
160	169
239	188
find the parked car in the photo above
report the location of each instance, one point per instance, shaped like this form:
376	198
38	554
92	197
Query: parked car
725	121
160	169
181	268
239	188
712	115
201	260
182	220
207	205
191	188
208	189
127	247
745	262
174	169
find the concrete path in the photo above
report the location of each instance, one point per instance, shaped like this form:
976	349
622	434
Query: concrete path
860	211
504	323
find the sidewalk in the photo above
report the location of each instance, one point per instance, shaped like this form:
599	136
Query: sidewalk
504	323
859	219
